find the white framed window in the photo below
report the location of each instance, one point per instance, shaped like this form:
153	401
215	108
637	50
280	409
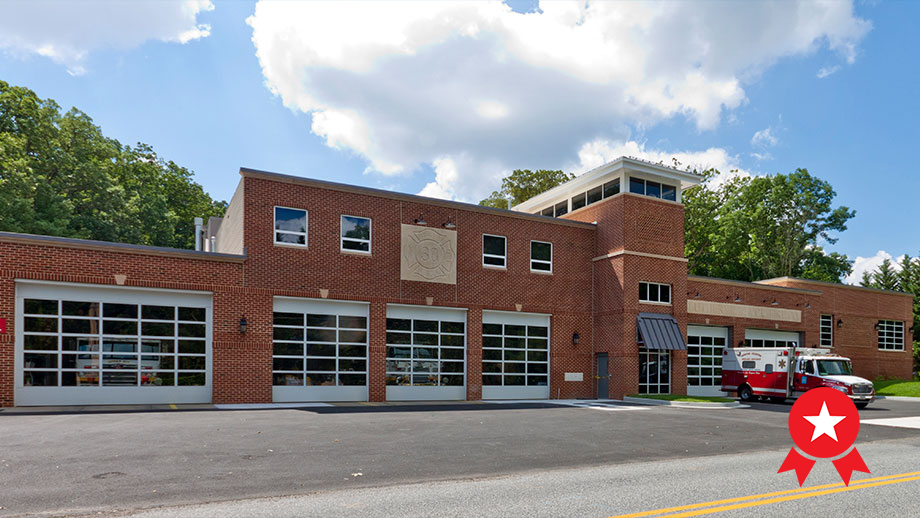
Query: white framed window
541	256
652	189
355	232
827	330
515	355
891	335
654	292
290	226
654	371
494	251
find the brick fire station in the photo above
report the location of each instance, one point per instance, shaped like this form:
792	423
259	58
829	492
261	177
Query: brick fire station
308	290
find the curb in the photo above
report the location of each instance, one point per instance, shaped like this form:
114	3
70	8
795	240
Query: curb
900	398
683	404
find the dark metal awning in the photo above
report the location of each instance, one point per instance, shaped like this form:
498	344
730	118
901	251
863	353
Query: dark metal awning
660	332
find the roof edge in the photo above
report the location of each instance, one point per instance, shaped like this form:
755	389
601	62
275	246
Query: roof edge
246	172
832	284
107	246
748	284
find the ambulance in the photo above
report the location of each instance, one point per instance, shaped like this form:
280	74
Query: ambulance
787	372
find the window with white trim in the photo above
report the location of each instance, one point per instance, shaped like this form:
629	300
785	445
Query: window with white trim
515	355
654	292
541	256
891	335
494	251
356	234
827	330
290	226
87	343
652	189
760	342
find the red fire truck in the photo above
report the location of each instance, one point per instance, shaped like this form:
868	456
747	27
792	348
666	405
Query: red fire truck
787	372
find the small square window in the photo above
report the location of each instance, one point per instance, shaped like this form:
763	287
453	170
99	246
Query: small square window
595	195
290	226
653	189
668	192
541	256
356	234
562	208
578	201
494	251
547	212
612	188
637	186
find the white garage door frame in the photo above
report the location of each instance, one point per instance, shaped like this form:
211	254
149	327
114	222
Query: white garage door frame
710	332
431	393
101	395
285	394
525	319
772	334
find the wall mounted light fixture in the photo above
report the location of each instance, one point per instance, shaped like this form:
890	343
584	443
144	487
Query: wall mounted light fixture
839	323
575	338
450	223
243	325
421	220
774	303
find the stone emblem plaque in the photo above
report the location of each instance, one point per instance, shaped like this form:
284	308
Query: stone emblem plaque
428	254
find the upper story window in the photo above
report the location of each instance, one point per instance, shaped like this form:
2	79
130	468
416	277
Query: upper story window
290	226
652	189
827	330
891	335
654	292
356	234
584	199
541	256
494	251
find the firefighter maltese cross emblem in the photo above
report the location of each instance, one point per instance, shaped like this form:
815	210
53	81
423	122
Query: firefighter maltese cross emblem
429	255
823	424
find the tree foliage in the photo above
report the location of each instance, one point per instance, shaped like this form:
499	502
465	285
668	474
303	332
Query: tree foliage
903	276
524	184
59	175
750	228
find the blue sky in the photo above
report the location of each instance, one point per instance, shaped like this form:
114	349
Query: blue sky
445	100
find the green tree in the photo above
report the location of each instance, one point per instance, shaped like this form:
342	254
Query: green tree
750	228
59	175
524	184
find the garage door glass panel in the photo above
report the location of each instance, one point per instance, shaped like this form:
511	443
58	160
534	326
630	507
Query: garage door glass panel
432	352
71	336
505	350
315	349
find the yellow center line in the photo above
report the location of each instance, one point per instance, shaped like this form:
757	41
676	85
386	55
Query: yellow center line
174	407
811	491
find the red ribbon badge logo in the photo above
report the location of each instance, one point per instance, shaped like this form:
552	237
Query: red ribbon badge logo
823	424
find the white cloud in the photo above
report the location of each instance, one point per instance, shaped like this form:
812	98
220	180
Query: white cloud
868	264
67	32
764	138
826	71
476	85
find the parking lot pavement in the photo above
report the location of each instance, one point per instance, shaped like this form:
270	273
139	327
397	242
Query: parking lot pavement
131	460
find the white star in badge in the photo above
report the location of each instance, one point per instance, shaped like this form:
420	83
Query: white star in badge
824	423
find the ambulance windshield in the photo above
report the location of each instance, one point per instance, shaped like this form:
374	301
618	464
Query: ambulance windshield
834	367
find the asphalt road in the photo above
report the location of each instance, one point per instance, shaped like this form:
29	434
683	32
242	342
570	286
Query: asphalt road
85	463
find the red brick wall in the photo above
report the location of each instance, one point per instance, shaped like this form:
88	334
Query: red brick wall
858	308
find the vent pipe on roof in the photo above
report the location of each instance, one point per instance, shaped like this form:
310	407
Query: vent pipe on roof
199	222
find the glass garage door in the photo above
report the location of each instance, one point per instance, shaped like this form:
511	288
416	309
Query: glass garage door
515	355
79	345
426	353
319	350
705	345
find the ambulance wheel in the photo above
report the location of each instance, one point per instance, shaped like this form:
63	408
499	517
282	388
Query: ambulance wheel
861	405
745	393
